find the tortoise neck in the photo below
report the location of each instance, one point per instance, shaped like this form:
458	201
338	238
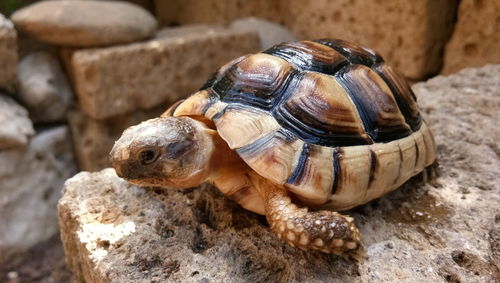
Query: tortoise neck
224	160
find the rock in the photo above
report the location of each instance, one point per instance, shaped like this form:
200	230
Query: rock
475	40
409	35
15	126
93	139
8	53
116	232
31	180
270	33
117	80
43	87
85	23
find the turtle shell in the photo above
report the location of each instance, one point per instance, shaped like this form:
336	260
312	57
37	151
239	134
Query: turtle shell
327	119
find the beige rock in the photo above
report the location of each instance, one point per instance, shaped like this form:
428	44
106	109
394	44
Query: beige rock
475	41
85	23
15	126
410	35
31	180
116	232
8	53
43	87
117	80
270	33
93	139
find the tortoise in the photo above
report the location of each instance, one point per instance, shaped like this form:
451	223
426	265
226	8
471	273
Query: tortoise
296	133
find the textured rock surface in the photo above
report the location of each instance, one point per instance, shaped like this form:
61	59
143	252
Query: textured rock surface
409	34
8	53
475	41
117	80
43	87
93	139
113	231
15	126
31	180
270	33
85	23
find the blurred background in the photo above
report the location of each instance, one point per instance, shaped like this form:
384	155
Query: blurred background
75	74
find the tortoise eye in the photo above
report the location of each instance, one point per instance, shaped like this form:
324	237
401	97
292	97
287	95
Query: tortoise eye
148	156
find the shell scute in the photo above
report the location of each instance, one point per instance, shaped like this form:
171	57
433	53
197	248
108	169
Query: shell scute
312	178
379	111
319	111
309	56
274	155
256	80
404	96
354	53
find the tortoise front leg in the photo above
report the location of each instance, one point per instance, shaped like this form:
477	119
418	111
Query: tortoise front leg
326	231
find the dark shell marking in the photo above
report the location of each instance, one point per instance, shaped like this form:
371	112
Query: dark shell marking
326	118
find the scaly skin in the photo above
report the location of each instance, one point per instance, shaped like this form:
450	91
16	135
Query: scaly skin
325	231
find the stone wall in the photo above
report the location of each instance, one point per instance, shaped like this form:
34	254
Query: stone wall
411	35
476	40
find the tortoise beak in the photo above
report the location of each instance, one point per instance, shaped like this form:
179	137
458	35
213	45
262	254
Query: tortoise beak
119	160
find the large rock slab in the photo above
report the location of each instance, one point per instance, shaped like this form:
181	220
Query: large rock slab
93	139
410	35
117	80
43	87
31	180
8	53
85	23
475	40
15	126
116	232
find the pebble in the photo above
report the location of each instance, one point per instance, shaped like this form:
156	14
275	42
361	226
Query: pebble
85	23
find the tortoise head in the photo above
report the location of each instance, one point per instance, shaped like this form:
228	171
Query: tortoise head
163	152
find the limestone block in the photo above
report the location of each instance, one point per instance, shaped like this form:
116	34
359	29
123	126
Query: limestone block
475	41
410	35
31	180
116	232
15	126
8	53
85	23
270	33
93	139
43	87
117	80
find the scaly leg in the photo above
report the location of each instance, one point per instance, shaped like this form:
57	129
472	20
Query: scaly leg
326	231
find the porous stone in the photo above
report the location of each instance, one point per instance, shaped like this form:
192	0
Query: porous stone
447	232
31	180
8	53
43	87
409	35
85	23
15	126
93	139
270	33
121	79
475	40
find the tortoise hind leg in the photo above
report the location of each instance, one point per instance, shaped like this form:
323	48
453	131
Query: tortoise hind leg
326	231
430	174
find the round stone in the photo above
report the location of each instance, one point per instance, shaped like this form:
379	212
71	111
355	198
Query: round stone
85	23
